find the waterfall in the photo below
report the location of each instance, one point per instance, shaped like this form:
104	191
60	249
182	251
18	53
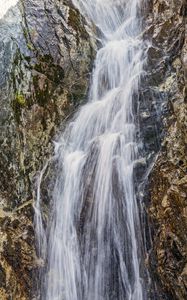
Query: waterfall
94	237
5	6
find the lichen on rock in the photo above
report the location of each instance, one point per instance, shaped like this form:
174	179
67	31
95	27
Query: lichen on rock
44	77
168	181
48	54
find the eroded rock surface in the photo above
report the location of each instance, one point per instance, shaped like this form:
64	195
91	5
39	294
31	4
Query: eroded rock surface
168	181
46	55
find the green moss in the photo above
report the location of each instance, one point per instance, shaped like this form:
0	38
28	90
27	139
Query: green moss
30	47
20	99
25	32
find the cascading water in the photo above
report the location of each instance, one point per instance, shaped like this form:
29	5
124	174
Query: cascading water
94	240
6	5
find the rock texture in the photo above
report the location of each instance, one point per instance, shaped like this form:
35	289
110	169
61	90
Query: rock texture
46	55
168	179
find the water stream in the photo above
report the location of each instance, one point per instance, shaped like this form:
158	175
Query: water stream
94	243
5	6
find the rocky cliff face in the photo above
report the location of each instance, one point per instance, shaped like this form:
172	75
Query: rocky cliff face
168	180
46	55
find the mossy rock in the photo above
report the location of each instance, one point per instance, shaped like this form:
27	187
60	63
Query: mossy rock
20	99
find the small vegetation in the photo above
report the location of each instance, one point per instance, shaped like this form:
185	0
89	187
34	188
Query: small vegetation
20	99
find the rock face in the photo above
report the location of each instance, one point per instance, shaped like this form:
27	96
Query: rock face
168	179
46	55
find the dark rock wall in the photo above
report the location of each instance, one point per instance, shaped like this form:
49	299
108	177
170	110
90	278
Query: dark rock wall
168	179
46	54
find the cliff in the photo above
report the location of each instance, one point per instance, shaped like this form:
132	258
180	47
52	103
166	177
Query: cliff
167	181
46	55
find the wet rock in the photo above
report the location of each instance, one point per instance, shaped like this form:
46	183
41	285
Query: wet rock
168	207
46	54
167	180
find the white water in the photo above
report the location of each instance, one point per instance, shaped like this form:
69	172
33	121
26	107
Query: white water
94	238
5	5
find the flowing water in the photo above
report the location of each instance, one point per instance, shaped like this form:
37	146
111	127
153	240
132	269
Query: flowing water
5	5
94	241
